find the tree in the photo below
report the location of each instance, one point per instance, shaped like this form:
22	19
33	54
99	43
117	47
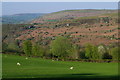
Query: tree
95	54
37	50
74	52
115	53
82	54
102	50
27	47
4	47
91	51
13	47
47	52
88	51
60	47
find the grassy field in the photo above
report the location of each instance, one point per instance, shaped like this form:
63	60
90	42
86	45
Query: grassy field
36	68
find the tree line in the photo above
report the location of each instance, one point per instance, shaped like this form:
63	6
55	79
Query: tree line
62	48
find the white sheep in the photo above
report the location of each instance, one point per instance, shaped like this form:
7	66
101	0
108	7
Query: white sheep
71	67
18	64
26	58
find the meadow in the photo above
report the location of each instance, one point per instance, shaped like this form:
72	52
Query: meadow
38	68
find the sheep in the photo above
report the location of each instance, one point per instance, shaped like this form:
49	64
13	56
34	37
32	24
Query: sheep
26	58
18	64
71	67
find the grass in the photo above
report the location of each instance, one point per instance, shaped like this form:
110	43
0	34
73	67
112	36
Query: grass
35	68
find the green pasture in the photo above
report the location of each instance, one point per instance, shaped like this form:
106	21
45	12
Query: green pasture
47	68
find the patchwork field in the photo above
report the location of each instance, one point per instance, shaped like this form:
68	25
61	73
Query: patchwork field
36	68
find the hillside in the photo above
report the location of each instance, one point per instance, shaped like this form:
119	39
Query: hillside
80	26
20	18
70	15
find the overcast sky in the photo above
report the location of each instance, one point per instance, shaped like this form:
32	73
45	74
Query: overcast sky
9	8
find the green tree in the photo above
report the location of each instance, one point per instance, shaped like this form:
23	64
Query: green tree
74	52
60	47
13	47
91	51
4	47
27	47
115	53
37	50
82	54
46	51
95	54
88	51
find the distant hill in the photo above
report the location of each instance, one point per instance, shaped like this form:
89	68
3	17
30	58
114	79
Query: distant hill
80	26
70	15
20	18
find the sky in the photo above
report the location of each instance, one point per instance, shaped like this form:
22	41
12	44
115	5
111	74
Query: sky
60	0
9	8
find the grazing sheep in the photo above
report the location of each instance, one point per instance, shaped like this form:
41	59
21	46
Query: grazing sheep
18	64
26	58
71	67
68	24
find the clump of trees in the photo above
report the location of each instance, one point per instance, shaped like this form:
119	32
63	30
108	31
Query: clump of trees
11	47
100	52
91	52
38	50
62	48
33	49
